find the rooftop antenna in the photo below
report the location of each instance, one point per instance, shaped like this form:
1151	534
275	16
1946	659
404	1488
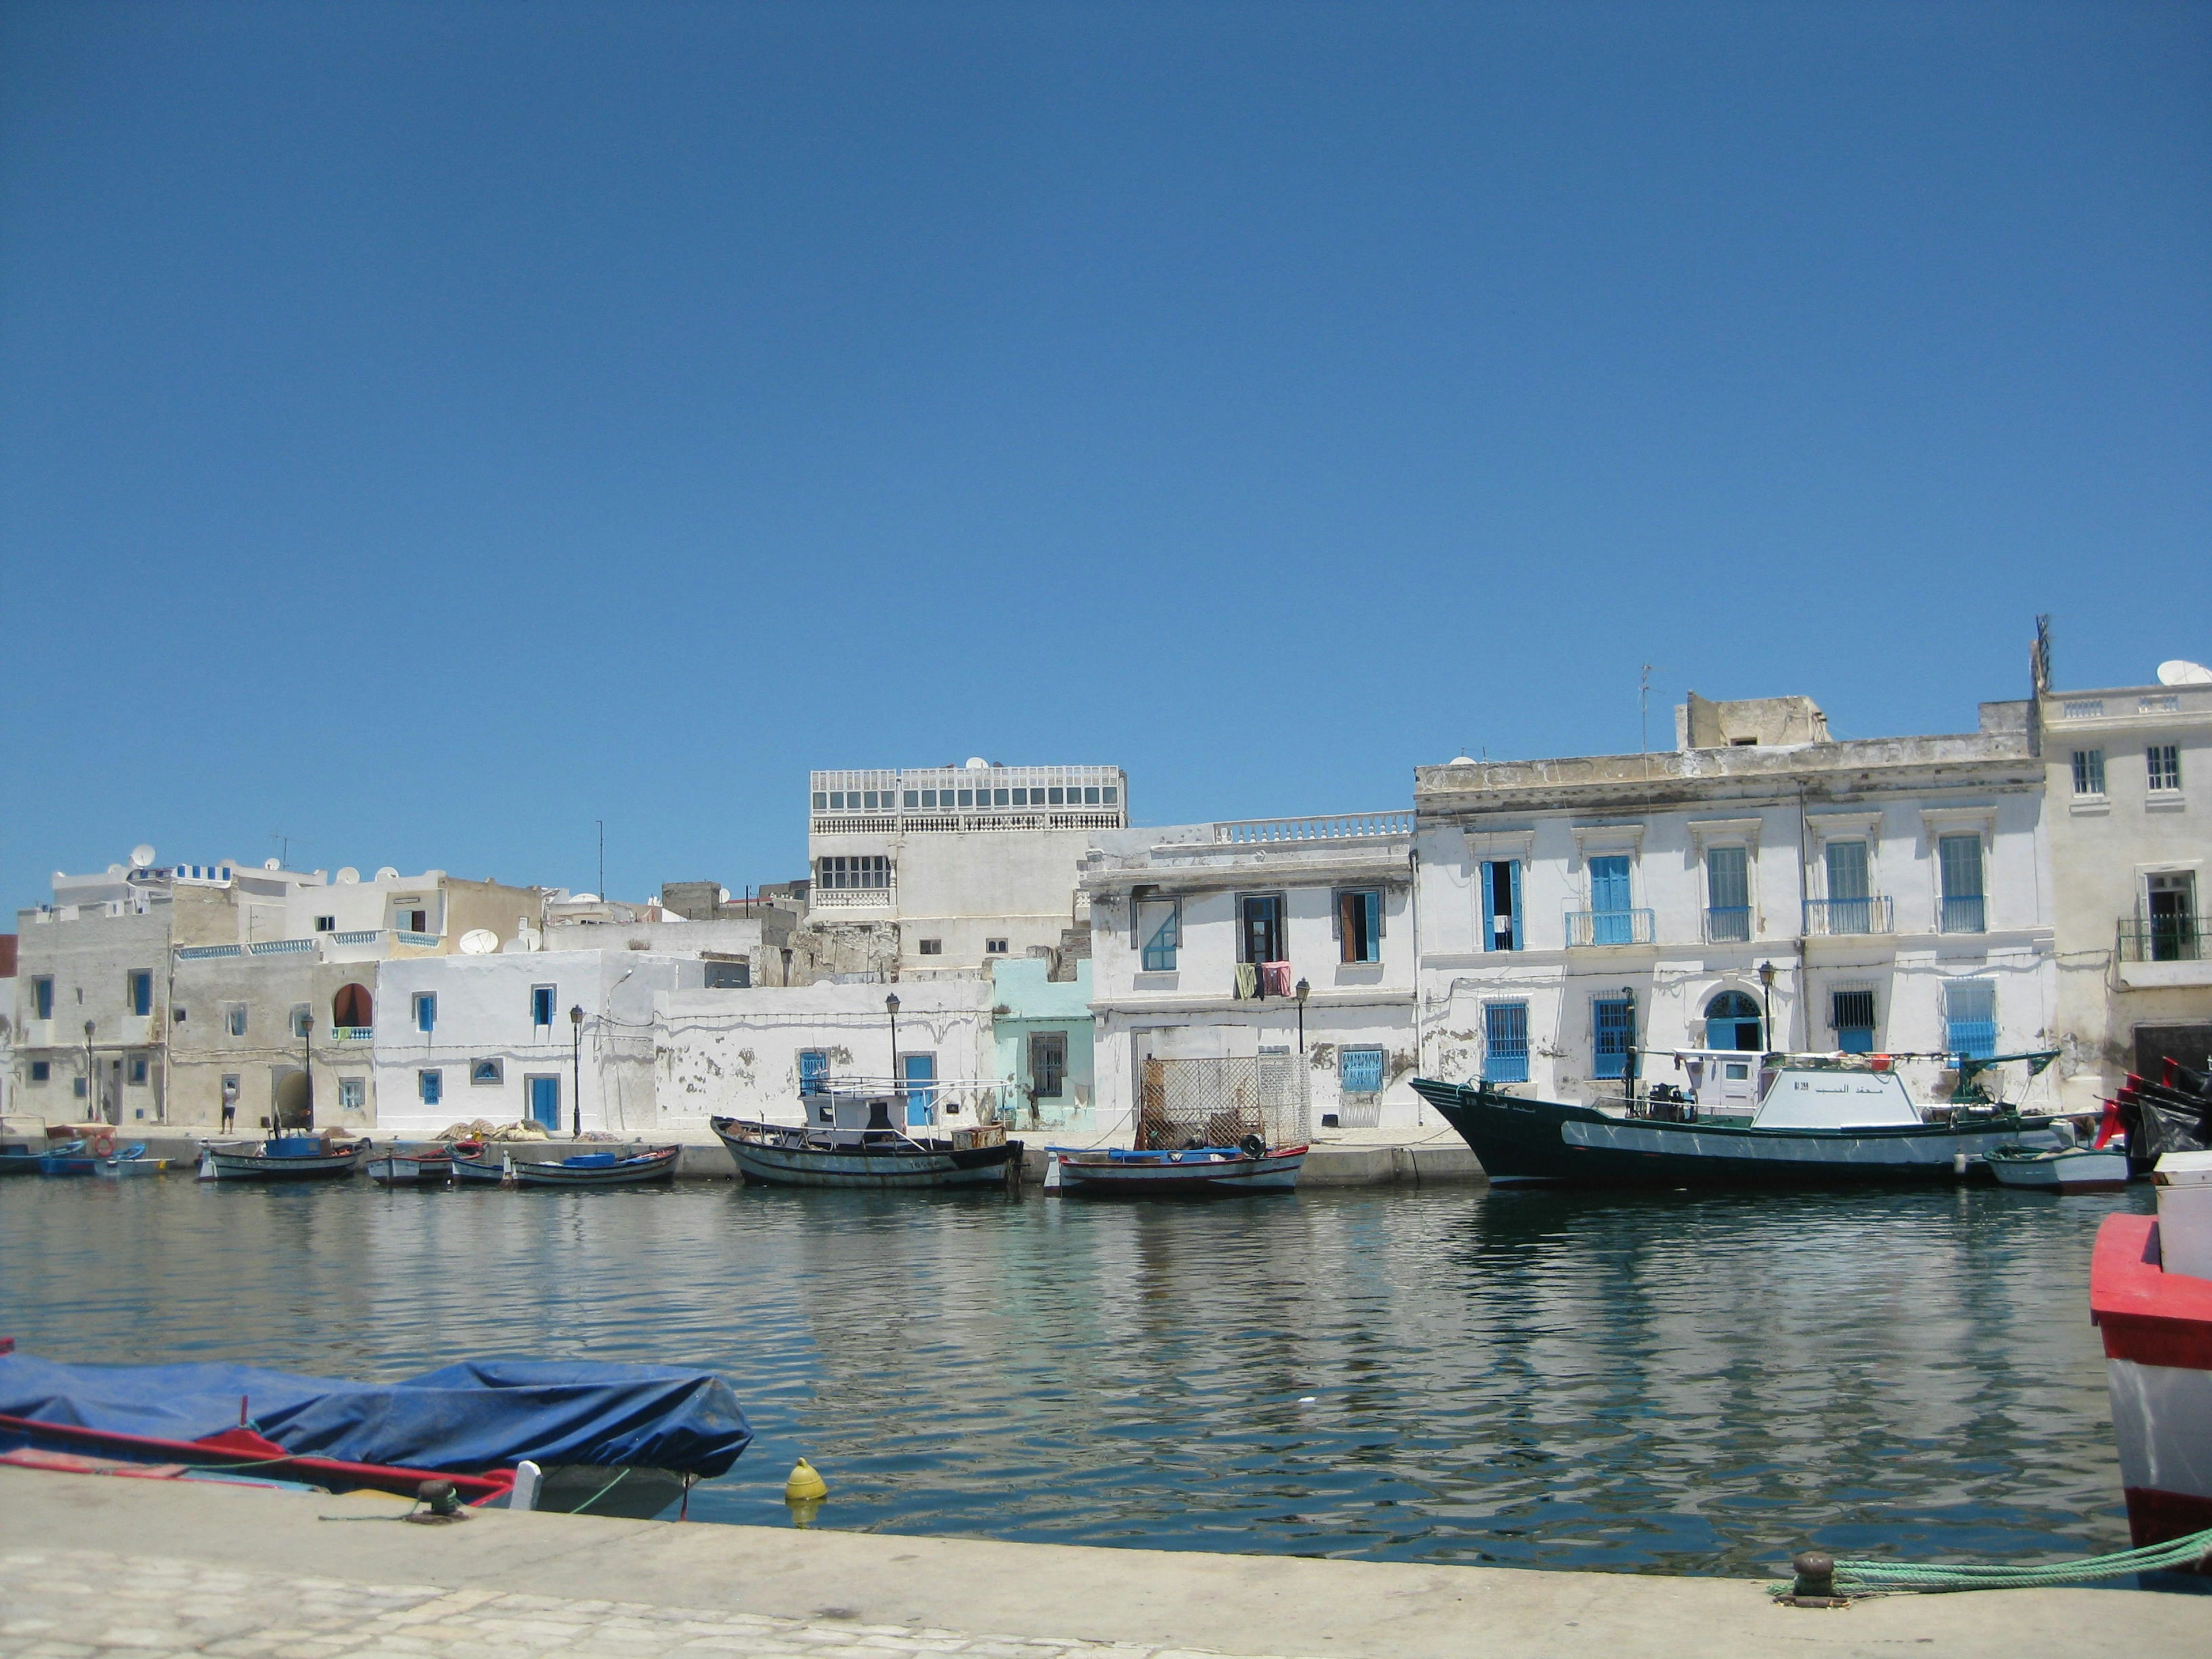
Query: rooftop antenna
283	849
1643	711
603	858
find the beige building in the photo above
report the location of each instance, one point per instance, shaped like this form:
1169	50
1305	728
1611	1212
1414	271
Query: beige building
2129	778
162	993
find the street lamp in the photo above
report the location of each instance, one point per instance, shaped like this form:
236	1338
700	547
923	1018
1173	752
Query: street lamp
1766	1000
91	1077
576	1062
1628	992
1303	988
891	1007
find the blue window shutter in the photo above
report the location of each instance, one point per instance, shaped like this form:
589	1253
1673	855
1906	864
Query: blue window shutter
1374	926
1513	880
1360	1070
1609	884
1489	906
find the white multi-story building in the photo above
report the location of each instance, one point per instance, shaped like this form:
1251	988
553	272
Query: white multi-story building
1262	939
2130	784
1762	886
945	868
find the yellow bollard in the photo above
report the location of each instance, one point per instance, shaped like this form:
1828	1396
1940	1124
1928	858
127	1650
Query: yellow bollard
805	1486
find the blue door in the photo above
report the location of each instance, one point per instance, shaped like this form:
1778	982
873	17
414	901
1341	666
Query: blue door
546	1101
1610	921
920	1101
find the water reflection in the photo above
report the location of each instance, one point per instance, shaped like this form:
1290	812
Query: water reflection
1660	1382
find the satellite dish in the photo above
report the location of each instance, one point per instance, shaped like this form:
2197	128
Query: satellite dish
272	864
1463	759
978	763
386	873
2182	671
479	942
114	869
585	898
348	876
141	856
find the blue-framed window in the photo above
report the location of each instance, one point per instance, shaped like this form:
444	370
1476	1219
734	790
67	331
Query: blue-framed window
541	1003
42	997
1613	919
426	1011
139	990
1970	1017
813	1071
1851	1015
1614	1019
431	1086
1959	858
1360	924
1506	1043
1359	1071
1499	881
1159	932
1727	894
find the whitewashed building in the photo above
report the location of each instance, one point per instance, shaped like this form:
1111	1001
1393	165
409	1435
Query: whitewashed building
2130	784
1763	885
1264	941
943	869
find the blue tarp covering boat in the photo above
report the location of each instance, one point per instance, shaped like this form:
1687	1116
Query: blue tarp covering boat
479	1414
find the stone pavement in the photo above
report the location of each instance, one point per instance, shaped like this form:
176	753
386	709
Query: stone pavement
71	1604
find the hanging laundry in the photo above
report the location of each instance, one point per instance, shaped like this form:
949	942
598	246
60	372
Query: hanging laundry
1247	981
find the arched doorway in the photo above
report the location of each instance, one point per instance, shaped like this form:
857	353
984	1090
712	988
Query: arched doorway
351	1008
296	1100
1732	1022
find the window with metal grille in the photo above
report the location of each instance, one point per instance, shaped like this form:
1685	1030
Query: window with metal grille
1615	1022
1506	1043
1850	1013
1048	1063
2088	771
1359	1071
426	1011
1970	1017
813	1071
353	1093
2165	765
431	1086
1359	924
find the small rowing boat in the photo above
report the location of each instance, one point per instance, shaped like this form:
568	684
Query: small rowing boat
413	1166
596	1168
284	1157
1250	1166
2070	1169
70	1157
130	1165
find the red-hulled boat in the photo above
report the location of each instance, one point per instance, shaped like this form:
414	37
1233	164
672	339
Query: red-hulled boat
2157	1327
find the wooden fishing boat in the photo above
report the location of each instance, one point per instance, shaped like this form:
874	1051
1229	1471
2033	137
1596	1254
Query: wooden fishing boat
130	1165
2156	1324
284	1157
596	1168
2067	1169
851	1140
412	1166
1820	1120
1251	1166
477	1164
70	1157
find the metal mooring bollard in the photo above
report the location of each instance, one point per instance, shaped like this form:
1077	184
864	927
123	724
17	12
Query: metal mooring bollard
440	1504
1816	1581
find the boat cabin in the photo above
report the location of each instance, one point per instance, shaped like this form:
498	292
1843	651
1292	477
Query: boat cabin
856	1112
1792	1091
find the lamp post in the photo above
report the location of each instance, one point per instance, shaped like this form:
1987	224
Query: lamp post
1767	1001
1304	989
891	1007
306	1065
576	1063
91	1076
1629	992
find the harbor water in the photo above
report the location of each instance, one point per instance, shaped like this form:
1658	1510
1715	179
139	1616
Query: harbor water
1662	1383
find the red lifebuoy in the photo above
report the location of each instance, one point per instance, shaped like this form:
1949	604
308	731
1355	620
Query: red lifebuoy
103	1144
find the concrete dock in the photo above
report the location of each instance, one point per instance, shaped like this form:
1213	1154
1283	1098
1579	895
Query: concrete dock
91	1565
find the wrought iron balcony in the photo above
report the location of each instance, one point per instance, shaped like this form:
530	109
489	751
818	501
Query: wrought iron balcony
2166	939
1871	915
1728	924
1594	928
1961	915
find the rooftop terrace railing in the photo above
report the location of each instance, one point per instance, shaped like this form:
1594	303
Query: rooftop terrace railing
2166	939
1338	826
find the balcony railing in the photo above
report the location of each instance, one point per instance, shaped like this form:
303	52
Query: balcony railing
1871	915
1728	924
851	898
1593	928
2166	939
1961	915
1340	826
353	1033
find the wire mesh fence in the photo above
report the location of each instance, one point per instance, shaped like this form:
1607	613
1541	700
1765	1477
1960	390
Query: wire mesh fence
1219	1102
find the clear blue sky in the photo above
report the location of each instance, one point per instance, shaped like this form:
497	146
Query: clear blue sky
427	429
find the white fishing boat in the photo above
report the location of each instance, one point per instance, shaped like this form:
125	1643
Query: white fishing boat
413	1166
2067	1169
284	1157
852	1137
1251	1166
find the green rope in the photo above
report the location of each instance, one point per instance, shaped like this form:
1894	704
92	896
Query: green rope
1889	1578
